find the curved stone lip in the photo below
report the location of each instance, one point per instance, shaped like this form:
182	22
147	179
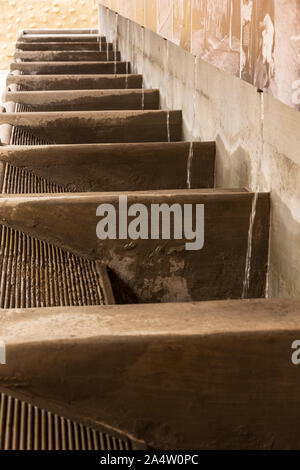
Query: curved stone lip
22	45
14	95
54	63
72	76
69	221
143	145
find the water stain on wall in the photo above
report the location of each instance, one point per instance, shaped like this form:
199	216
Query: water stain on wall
16	15
182	17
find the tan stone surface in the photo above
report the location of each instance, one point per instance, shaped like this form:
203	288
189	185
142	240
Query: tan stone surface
16	15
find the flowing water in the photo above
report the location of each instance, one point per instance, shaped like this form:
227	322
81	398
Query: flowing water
246	283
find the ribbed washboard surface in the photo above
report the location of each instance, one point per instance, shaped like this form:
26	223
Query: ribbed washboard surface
27	427
19	181
35	273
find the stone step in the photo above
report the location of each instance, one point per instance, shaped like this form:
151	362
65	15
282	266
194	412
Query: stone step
63	46
82	127
72	82
66	56
216	372
26	424
42	68
83	100
107	167
161	269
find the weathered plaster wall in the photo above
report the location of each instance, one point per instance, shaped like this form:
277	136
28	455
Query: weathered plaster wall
17	14
257	136
256	40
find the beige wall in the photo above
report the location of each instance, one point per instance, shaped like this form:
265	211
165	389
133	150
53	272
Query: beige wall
22	14
256	40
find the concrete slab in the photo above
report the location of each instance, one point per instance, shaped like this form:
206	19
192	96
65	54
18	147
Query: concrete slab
67	127
66	56
62	37
257	137
117	167
42	68
84	100
60	31
209	375
156	270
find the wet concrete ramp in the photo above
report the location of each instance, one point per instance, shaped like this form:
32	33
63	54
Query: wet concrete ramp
35	273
